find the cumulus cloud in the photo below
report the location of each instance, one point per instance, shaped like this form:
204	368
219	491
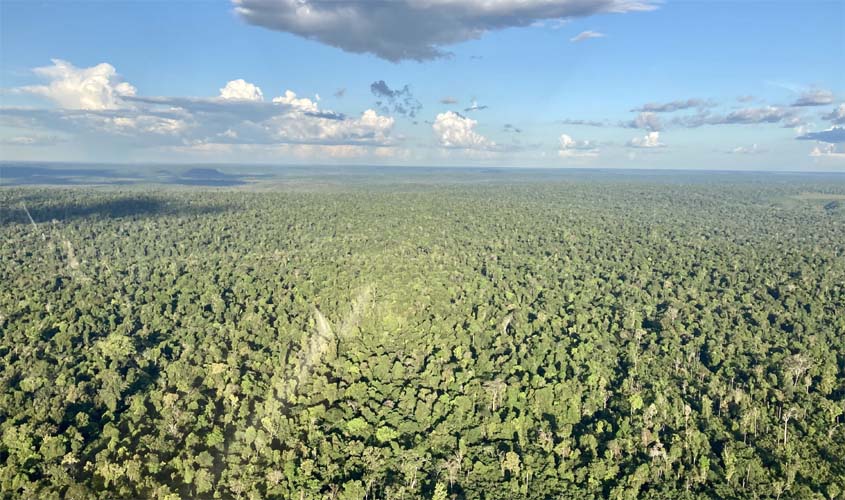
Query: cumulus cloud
400	101
586	35
833	135
570	148
96	88
454	130
414	29
668	107
649	141
837	115
814	97
240	90
94	100
646	120
298	103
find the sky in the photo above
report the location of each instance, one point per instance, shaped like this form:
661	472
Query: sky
739	85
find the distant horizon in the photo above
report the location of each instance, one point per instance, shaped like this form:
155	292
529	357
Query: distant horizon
235	165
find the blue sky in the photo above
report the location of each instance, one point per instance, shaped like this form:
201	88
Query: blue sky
677	84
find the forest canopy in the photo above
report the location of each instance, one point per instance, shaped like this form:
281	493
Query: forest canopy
607	339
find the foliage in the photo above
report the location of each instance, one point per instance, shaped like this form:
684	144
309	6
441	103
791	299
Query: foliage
611	339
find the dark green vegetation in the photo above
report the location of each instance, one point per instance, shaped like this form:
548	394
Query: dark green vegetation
576	340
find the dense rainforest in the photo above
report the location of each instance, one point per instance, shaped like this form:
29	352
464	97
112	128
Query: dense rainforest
609	339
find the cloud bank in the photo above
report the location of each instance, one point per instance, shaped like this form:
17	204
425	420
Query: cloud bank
92	102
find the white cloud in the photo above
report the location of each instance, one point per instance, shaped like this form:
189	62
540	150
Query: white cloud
96	88
570	148
586	35
414	29
456	131
649	141
825	150
299	104
240	90
747	150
